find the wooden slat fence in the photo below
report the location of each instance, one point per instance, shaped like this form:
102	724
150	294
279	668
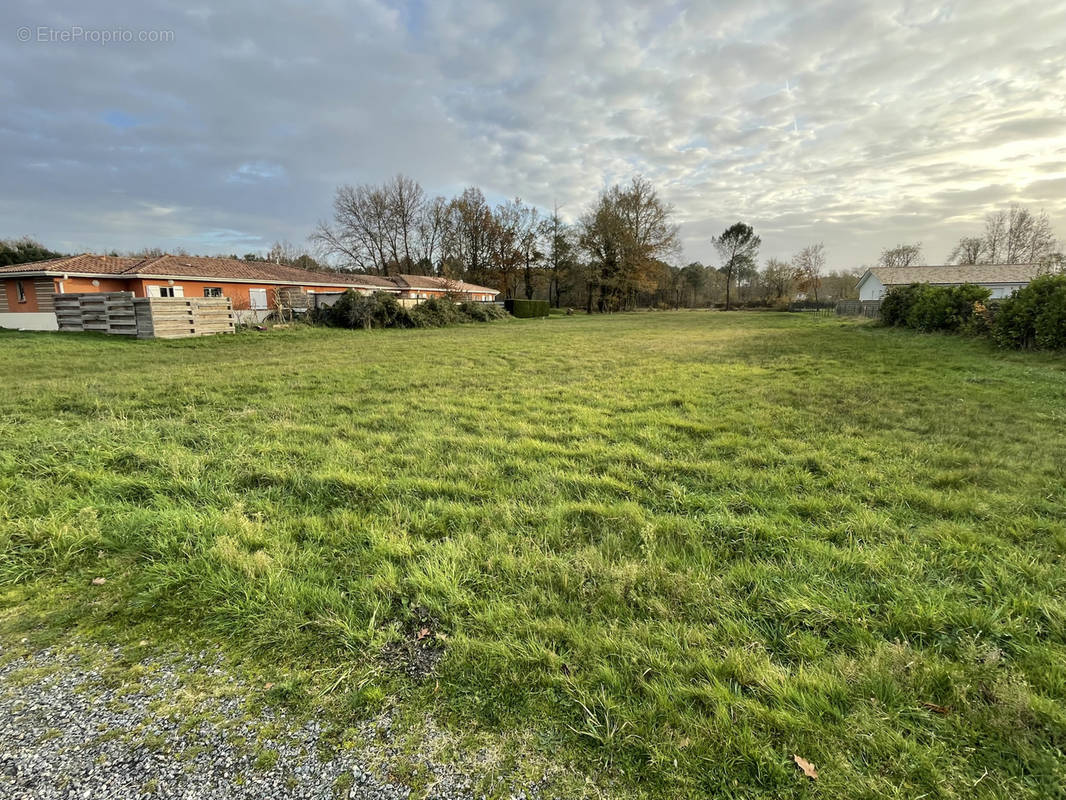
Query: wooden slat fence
176	317
106	312
144	317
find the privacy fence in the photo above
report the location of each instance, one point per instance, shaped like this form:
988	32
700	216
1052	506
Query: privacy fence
122	314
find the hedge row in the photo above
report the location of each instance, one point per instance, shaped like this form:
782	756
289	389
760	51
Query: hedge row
1033	317
383	310
527	309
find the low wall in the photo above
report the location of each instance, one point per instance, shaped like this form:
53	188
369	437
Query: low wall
29	321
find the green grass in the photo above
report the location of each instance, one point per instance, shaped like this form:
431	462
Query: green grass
671	549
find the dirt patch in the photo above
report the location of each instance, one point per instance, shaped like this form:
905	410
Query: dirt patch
421	649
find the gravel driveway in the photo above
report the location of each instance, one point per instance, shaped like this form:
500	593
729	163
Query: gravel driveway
70	730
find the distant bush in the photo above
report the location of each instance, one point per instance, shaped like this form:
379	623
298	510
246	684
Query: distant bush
482	312
383	310
527	309
1033	317
436	312
355	310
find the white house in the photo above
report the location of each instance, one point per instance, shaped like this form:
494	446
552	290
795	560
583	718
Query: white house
1002	279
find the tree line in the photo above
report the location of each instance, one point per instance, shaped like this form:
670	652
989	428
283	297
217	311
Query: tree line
621	253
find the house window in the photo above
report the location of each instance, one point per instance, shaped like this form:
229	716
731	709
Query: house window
212	291
165	291
21	291
257	298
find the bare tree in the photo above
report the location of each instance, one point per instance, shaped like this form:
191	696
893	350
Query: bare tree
431	234
902	255
1028	237
358	235
778	277
808	264
1012	236
969	250
406	204
560	253
379	228
507	244
529	241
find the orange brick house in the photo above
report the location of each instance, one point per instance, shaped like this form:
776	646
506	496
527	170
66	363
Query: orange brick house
27	291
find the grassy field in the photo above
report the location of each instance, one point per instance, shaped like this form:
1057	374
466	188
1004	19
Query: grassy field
677	547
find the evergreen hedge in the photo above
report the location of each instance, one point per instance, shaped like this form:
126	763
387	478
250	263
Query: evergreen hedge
527	309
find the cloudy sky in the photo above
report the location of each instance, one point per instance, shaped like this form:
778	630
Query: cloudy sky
860	124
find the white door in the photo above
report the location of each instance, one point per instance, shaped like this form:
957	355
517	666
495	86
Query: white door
258	298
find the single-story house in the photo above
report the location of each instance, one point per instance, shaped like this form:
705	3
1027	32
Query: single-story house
422	287
27	291
1002	279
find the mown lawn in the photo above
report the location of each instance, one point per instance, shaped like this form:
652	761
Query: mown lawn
678	548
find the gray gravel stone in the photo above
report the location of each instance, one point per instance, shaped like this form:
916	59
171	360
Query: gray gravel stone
65	732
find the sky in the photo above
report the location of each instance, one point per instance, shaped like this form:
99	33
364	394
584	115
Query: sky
222	129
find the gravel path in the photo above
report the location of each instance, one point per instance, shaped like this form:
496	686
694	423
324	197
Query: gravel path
67	731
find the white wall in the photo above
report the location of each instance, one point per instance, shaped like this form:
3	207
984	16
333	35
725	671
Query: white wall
1005	289
871	289
29	321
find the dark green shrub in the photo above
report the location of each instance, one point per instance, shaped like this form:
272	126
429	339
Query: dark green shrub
933	308
527	309
944	308
355	310
383	310
896	305
436	312
1034	316
481	312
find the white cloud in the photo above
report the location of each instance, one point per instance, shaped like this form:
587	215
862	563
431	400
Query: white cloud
857	123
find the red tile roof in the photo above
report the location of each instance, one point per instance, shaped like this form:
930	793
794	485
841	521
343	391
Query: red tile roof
197	267
439	284
96	265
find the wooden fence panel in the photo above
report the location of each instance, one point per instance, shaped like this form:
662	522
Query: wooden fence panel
123	314
105	312
177	317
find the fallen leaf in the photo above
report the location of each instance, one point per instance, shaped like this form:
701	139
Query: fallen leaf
440	636
684	743
935	708
268	686
99	581
143	643
422	634
806	766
